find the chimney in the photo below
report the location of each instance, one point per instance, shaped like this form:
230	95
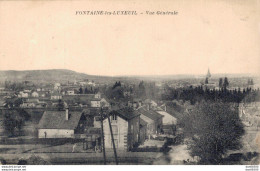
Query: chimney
148	106
67	113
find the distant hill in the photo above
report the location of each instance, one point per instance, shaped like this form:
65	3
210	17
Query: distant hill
54	75
64	75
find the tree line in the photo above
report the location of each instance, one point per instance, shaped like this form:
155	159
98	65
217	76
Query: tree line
197	94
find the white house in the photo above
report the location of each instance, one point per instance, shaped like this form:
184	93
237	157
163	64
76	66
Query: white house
97	95
104	103
23	95
57	86
56	96
167	119
35	94
70	92
59	124
95	103
125	127
169	123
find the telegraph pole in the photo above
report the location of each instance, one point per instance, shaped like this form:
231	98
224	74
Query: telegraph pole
102	136
111	131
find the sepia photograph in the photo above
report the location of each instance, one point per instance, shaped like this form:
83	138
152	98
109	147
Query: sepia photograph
115	82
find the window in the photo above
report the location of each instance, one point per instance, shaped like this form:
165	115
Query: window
114	117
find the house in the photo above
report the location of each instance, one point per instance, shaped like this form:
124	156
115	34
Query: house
135	103
23	95
97	95
84	99
57	86
104	103
150	104
125	125
27	105
169	122
167	119
27	91
153	119
82	83
70	92
95	103
60	124
35	94
42	94
149	126
33	103
91	83
56	96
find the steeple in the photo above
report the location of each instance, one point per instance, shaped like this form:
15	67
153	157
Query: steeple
208	74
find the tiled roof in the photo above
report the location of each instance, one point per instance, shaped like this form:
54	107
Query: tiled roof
126	113
146	119
168	118
149	113
92	111
57	120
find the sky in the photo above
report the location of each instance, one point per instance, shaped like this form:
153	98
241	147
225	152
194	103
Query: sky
216	34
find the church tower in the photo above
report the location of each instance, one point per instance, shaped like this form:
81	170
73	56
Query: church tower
207	77
208	74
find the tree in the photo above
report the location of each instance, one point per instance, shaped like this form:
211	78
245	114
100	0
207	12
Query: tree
86	91
252	82
60	105
248	82
141	90
226	83
13	121
206	80
116	93
214	128
220	83
80	90
117	84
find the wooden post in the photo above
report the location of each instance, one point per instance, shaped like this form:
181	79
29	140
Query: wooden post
102	138
111	132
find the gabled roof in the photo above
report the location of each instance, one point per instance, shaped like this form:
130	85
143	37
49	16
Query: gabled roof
92	111
168	118
126	113
146	119
172	111
149	113
57	120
